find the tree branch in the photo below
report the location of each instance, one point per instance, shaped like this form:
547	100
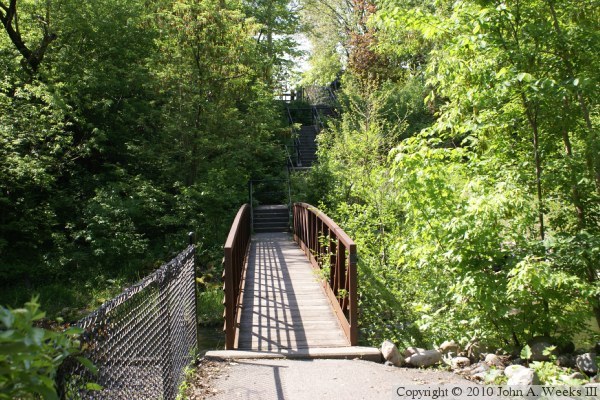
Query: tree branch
32	58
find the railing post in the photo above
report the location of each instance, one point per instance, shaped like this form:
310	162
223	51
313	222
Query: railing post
250	190
289	185
229	300
352	292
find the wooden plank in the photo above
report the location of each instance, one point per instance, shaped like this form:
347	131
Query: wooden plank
284	306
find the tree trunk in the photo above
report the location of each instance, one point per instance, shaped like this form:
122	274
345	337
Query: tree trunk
532	118
31	58
591	156
579	209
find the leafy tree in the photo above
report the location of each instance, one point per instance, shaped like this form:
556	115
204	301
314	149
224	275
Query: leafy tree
490	213
505	70
140	122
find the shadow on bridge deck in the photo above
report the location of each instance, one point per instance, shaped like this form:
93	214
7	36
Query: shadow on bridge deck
284	307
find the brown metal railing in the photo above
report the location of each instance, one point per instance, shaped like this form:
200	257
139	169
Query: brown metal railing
328	247
236	249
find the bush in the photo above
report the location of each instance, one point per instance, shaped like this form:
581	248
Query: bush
30	356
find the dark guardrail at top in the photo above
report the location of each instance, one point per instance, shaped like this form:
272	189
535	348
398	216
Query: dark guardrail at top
236	248
329	247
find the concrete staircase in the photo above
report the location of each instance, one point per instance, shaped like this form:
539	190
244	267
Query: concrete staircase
308	146
271	218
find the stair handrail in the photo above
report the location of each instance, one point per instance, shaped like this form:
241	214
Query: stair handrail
317	119
290	162
295	138
251	184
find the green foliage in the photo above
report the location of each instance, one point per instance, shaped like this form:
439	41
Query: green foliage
210	306
143	122
468	181
526	353
184	387
552	375
30	356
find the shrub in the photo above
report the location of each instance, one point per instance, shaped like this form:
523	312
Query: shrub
30	356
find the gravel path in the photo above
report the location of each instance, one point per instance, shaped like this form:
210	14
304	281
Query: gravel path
309	380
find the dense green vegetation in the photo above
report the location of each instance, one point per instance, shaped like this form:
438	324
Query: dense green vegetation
465	160
124	125
466	165
30	356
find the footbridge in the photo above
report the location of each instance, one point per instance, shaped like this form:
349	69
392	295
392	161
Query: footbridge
291	293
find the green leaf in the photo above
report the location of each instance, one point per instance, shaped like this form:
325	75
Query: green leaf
526	353
503	71
88	364
93	386
6	317
37	334
549	350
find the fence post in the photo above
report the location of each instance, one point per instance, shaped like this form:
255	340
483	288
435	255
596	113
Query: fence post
169	381
192	242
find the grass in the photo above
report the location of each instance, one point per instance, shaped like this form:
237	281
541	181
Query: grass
210	306
65	300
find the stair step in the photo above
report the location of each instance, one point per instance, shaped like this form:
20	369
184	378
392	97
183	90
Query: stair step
271	212
271	218
278	218
277	229
269	225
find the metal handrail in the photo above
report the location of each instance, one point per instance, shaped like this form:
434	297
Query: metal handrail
328	246
251	195
317	119
290	162
294	138
236	250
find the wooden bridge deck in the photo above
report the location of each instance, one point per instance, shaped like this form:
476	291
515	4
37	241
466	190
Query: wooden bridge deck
284	307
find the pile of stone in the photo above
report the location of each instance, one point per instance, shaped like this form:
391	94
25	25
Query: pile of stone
477	363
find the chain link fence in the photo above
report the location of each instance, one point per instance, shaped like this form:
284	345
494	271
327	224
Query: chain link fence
140	341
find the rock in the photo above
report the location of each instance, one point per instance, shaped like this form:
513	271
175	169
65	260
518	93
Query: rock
479	377
449	346
475	350
412	350
390	353
518	361
595	379
591	385
426	358
389	364
566	361
578	375
523	377
492	375
479	368
587	363
494	361
513	369
460	362
567	347
538	346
